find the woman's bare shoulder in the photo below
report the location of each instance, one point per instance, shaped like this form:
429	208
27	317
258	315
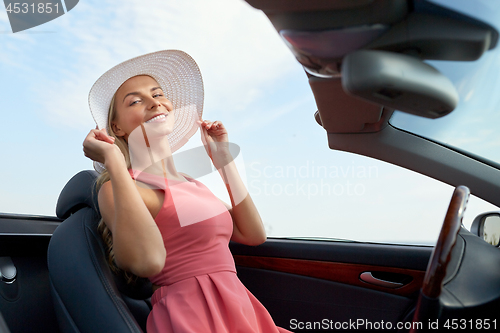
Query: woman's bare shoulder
153	199
105	192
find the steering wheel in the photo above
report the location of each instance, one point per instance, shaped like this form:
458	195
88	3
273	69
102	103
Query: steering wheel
428	300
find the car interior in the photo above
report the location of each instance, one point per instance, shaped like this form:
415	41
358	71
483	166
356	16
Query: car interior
363	60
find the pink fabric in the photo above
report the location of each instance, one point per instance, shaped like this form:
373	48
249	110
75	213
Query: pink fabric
215	302
200	291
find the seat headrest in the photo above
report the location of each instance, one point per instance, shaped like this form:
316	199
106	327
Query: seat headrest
79	192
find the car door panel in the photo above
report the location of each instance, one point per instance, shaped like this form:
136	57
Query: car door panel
313	281
295	279
342	272
26	302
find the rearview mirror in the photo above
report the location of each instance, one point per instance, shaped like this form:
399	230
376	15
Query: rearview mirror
398	81
487	227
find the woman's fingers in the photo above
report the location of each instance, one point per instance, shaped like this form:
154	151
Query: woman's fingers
205	124
96	143
103	136
211	125
204	138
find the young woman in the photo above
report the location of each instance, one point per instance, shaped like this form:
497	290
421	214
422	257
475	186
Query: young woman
159	223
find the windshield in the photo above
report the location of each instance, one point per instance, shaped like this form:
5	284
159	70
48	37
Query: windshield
473	125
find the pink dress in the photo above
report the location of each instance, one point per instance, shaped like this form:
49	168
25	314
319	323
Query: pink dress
200	291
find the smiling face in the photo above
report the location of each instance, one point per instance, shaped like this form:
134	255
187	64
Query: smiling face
140	100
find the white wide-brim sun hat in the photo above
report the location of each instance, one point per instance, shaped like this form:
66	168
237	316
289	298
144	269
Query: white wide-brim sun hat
180	79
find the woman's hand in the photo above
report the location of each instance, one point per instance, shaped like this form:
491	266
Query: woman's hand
215	139
99	146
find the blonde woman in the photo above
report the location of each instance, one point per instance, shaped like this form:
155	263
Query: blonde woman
159	223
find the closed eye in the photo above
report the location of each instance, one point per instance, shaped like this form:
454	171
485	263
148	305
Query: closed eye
138	100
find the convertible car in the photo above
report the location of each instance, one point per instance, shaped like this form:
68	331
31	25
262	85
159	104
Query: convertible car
384	78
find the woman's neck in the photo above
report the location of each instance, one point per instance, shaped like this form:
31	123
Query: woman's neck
156	159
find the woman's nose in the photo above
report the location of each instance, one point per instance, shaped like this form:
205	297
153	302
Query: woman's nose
154	104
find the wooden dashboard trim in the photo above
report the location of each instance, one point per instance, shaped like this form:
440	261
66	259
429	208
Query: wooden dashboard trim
332	271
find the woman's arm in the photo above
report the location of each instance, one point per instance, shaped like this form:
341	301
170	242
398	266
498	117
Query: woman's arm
248	227
247	224
137	241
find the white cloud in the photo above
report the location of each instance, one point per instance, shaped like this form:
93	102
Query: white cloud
65	102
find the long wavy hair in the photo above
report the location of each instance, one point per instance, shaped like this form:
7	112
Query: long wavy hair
102	228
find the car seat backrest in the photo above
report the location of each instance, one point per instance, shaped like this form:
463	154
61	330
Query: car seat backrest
79	192
87	296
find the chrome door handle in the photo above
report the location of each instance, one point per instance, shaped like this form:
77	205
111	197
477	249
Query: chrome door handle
369	278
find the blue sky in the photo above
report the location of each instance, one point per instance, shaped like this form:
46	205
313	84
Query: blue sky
252	83
472	126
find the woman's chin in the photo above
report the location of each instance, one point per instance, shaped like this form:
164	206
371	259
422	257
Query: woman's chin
157	129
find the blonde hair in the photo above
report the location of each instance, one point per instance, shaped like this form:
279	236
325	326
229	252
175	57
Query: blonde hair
102	228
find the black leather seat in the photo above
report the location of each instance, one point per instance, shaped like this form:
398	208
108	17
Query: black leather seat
87	296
